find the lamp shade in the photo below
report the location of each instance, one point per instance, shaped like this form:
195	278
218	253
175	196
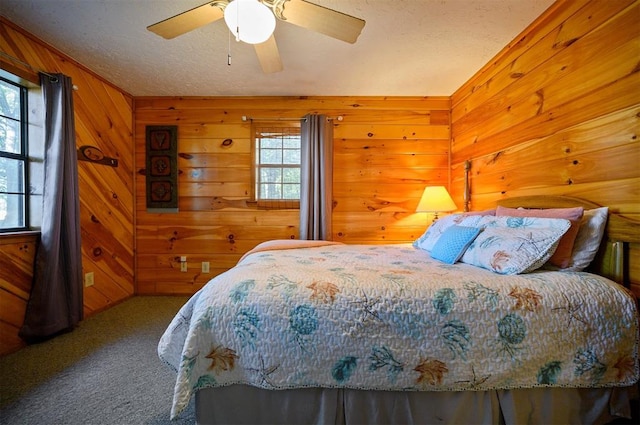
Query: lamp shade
249	21
435	199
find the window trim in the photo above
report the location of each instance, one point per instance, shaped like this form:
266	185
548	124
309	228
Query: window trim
23	156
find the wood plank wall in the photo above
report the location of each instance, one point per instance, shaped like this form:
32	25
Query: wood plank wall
16	271
104	118
385	151
558	112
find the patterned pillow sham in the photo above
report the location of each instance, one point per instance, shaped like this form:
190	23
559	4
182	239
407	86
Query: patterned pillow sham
562	256
433	232
453	243
514	245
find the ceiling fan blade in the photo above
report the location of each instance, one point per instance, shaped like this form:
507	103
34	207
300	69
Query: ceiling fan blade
323	20
187	21
269	56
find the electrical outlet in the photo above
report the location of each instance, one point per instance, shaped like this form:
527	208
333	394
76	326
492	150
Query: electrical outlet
205	267
183	266
88	279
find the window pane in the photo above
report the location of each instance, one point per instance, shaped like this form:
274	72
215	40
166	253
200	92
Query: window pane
10	110
291	157
10	136
11	175
270	191
11	211
291	191
291	175
271	156
270	175
268	143
11	105
291	143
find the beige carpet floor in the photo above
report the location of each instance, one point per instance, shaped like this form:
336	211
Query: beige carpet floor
106	371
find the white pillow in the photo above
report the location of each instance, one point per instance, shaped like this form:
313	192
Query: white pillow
588	239
513	245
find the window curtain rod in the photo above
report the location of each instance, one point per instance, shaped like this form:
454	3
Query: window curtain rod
247	118
53	78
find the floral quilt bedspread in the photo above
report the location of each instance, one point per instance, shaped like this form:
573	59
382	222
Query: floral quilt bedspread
390	317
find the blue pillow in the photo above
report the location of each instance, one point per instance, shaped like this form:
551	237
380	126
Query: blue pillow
453	242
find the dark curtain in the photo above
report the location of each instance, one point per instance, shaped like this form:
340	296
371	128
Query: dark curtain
316	168
55	304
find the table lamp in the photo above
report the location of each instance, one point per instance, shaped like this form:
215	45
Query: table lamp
435	199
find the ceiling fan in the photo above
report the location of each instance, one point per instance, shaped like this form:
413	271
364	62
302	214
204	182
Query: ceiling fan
297	12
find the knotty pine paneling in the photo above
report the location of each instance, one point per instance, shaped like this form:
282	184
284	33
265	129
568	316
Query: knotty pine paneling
557	112
103	118
386	149
17	253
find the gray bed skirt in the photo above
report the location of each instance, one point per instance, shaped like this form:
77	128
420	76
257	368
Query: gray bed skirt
241	404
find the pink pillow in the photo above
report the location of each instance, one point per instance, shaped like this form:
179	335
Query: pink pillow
485	212
562	257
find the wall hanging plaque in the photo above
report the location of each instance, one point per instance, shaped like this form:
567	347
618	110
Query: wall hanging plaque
162	168
95	155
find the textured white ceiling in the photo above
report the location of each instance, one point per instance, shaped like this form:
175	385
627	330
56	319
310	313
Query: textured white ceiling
407	47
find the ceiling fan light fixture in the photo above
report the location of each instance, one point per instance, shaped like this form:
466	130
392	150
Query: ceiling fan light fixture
249	21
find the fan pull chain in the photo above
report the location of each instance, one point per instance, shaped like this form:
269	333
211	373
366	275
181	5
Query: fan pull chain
229	50
238	25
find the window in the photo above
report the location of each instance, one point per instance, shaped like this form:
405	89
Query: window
14	166
277	164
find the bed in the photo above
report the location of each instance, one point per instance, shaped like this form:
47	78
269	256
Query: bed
488	331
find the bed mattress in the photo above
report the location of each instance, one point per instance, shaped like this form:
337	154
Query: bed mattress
391	318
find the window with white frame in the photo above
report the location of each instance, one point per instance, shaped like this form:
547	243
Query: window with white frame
277	164
14	160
